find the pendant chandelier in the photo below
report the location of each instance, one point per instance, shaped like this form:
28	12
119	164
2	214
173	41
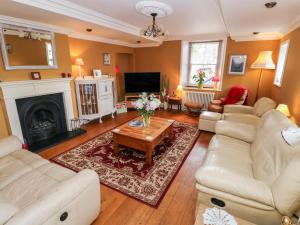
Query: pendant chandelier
154	30
155	10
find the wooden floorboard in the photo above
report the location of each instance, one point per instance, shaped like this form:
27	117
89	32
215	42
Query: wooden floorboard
177	206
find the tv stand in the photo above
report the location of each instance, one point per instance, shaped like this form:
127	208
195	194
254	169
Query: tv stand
130	98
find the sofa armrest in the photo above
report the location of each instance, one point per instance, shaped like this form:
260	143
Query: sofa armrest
235	184
238	109
241	131
9	144
241	118
78	196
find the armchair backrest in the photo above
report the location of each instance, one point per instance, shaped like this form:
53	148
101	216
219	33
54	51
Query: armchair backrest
263	105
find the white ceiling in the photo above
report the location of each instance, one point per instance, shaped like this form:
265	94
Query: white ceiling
118	21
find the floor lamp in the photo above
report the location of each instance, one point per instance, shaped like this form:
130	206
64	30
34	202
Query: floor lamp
263	61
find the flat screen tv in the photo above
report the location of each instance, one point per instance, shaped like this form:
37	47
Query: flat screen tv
142	82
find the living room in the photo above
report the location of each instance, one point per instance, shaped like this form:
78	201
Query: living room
217	143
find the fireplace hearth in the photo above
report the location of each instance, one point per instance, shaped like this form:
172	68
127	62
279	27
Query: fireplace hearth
43	121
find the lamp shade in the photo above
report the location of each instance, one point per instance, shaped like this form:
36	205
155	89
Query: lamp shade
284	109
216	78
264	61
79	62
179	87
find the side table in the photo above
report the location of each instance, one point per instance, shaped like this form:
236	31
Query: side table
175	101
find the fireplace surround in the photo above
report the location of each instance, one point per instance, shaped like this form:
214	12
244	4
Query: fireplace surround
14	91
41	117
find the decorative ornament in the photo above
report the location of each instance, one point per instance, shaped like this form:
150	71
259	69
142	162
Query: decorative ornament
215	216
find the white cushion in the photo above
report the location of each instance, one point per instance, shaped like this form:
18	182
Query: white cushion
214	116
7	210
241	131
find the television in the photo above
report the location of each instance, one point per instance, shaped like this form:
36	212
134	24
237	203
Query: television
142	82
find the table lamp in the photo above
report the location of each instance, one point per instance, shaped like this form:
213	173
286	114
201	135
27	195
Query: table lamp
79	62
284	109
179	90
216	79
263	61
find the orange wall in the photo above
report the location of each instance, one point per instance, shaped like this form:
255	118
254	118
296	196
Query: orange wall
164	59
251	77
64	65
289	92
92	54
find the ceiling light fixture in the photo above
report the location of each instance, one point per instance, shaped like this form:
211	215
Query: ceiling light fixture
270	5
155	10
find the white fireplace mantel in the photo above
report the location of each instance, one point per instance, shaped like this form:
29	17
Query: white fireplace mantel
13	90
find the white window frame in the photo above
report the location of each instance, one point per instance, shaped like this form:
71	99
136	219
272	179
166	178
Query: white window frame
218	65
281	57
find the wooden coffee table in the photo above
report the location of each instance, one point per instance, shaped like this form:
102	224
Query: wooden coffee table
143	138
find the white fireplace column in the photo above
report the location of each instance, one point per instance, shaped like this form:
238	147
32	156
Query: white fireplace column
23	89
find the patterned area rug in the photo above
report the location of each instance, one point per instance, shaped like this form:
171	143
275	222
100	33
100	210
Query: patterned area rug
128	172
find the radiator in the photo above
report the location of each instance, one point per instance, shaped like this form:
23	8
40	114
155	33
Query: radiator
198	97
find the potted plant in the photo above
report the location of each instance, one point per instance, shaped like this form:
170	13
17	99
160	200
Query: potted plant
199	78
146	105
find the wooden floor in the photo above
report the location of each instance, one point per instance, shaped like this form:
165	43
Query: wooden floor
177	206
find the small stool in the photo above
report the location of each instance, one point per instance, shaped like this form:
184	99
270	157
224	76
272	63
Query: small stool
193	108
175	101
208	121
215	108
216	102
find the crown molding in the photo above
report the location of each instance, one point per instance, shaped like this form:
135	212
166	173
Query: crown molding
292	26
71	33
33	24
68	8
259	37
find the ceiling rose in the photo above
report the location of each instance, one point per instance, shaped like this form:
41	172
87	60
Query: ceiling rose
149	7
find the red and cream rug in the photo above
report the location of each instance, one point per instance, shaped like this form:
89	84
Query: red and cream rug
128	172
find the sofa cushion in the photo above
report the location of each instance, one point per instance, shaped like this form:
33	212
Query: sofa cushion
7	209
241	131
9	145
229	153
213	116
263	105
286	188
269	151
25	169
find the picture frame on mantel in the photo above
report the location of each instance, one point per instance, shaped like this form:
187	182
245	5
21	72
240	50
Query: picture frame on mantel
35	75
106	59
237	65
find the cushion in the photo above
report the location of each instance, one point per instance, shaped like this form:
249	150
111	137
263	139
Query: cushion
263	105
286	188
7	209
210	116
241	131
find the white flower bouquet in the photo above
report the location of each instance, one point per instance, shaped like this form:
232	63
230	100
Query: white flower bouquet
146	105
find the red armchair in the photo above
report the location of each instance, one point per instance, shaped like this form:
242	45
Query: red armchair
237	95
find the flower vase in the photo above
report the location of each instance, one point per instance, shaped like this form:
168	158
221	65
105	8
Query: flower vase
200	85
146	120
165	105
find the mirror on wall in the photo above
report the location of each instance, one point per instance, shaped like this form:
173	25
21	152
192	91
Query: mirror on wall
26	48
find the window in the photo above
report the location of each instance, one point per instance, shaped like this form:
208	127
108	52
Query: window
205	56
281	63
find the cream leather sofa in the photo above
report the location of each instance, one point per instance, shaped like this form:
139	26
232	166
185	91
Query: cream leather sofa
253	174
34	191
248	114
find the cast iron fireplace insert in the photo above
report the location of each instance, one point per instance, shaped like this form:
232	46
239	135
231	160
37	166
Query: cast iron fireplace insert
43	121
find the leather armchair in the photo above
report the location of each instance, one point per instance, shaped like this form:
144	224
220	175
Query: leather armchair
252	172
35	191
248	114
